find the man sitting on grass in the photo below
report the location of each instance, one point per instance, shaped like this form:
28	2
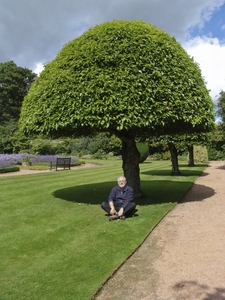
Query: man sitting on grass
120	202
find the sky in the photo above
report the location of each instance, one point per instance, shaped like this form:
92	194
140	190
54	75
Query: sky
32	32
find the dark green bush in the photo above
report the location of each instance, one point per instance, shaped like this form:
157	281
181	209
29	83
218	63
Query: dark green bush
216	150
143	150
9	169
216	155
166	155
100	154
42	146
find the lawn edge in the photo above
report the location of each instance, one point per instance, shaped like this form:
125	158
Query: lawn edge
132	253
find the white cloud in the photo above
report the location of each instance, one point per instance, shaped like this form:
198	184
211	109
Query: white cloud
38	68
33	32
209	53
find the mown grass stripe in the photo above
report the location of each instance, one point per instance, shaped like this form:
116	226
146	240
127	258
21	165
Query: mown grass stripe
55	239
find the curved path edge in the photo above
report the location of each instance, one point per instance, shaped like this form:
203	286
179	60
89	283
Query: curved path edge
183	256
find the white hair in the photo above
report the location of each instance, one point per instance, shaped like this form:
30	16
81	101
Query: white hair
121	178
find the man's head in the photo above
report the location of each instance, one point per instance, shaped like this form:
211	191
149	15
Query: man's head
121	181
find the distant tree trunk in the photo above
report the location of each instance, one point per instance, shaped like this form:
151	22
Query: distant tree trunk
191	162
174	159
131	156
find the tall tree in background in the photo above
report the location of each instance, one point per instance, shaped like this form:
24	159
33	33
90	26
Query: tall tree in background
127	78
221	110
14	84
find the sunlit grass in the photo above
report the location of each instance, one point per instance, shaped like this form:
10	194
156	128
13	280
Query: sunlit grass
56	241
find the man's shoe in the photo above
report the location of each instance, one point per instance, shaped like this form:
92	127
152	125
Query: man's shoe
113	217
122	218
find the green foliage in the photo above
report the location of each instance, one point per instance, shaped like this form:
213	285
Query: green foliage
200	154
100	154
216	149
9	169
156	156
84	146
164	155
101	143
14	84
62	146
42	146
143	150
221	110
216	154
26	159
115	145
7	132
20	142
126	77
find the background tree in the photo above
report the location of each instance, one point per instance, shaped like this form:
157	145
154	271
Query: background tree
128	78
14	84
20	142
221	110
216	149
6	136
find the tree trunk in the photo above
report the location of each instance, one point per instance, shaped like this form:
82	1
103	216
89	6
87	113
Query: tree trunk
174	159
191	162
131	156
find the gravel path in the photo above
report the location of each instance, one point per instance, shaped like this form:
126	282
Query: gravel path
183	258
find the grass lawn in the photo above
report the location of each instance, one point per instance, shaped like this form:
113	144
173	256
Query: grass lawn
55	240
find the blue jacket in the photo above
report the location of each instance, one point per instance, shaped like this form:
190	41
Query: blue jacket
121	197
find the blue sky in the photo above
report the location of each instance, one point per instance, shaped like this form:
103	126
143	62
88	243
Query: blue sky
214	27
206	44
32	32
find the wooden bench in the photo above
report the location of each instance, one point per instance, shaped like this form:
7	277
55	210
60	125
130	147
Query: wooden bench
61	162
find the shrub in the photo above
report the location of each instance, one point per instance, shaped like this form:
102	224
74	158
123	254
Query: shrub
143	150
41	146
9	169
200	154
216	150
166	155
156	156
100	154
216	155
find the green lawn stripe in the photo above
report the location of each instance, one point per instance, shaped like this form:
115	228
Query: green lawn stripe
56	240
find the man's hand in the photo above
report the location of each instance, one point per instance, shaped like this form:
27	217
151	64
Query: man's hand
112	208
113	211
120	212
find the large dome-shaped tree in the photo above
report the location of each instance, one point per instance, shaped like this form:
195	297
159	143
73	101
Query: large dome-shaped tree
125	77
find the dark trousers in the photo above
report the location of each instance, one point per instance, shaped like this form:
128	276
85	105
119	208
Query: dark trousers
129	210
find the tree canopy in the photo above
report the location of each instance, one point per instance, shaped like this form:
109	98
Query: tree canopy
14	84
125	77
221	109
